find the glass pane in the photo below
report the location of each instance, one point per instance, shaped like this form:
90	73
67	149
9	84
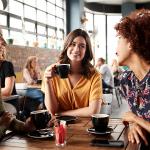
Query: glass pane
41	29
30	39
5	33
99	36
28	11
59	23
41	4
51	32
59	12
42	41
52	1
59	3
3	20
51	20
89	25
59	34
51	8
41	16
30	2
15	23
18	38
12	8
111	37
29	26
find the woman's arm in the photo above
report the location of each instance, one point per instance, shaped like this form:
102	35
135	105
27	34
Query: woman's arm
27	76
131	117
50	98
94	107
137	127
9	84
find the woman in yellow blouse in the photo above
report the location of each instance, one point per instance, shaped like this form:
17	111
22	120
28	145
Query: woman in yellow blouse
80	94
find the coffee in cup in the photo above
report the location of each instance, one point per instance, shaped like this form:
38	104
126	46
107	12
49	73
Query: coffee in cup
100	122
63	70
40	118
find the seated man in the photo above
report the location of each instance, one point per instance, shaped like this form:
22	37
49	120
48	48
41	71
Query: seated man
105	71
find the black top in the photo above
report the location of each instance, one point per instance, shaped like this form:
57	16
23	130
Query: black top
7	70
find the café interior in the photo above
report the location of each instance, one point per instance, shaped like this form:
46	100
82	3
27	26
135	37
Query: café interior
38	28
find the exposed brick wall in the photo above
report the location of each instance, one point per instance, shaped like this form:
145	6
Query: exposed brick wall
18	55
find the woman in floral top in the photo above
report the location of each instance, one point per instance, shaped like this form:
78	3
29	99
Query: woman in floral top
133	50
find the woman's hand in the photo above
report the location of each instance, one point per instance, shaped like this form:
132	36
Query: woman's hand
136	133
29	126
50	71
129	117
6	119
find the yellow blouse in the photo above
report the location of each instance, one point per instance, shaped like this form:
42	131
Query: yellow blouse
85	91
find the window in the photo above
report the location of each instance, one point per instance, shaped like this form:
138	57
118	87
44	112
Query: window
51	20
51	8
41	4
97	28
41	16
14	21
3	20
29	26
27	12
15	8
34	20
30	2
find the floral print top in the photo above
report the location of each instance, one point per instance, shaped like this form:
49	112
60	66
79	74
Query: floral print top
137	93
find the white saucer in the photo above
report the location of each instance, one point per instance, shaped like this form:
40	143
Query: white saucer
40	134
92	131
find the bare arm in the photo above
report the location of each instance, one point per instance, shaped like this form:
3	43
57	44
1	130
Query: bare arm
9	84
137	127
50	98
94	107
27	77
131	117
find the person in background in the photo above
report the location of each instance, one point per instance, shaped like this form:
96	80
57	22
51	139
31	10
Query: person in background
80	94
31	71
133	50
106	73
7	75
116	71
35	97
7	88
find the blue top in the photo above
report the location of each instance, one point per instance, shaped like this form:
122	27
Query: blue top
137	93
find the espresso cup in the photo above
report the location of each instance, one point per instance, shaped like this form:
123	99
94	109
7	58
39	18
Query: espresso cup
100	122
40	118
63	70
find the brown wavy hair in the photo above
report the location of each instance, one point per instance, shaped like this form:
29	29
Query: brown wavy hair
87	67
136	29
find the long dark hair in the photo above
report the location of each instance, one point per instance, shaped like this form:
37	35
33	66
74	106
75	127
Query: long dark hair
88	68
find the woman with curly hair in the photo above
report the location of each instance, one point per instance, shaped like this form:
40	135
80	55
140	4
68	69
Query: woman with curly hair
79	94
133	50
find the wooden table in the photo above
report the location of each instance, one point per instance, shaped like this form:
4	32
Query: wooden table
34	86
11	97
77	138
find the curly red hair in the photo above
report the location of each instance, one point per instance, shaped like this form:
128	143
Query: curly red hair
136	29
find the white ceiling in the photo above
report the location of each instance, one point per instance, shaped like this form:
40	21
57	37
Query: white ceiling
114	2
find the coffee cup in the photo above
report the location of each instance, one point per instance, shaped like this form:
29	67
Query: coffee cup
63	70
40	118
100	122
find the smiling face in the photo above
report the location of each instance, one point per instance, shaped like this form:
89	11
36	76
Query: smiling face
76	51
123	51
